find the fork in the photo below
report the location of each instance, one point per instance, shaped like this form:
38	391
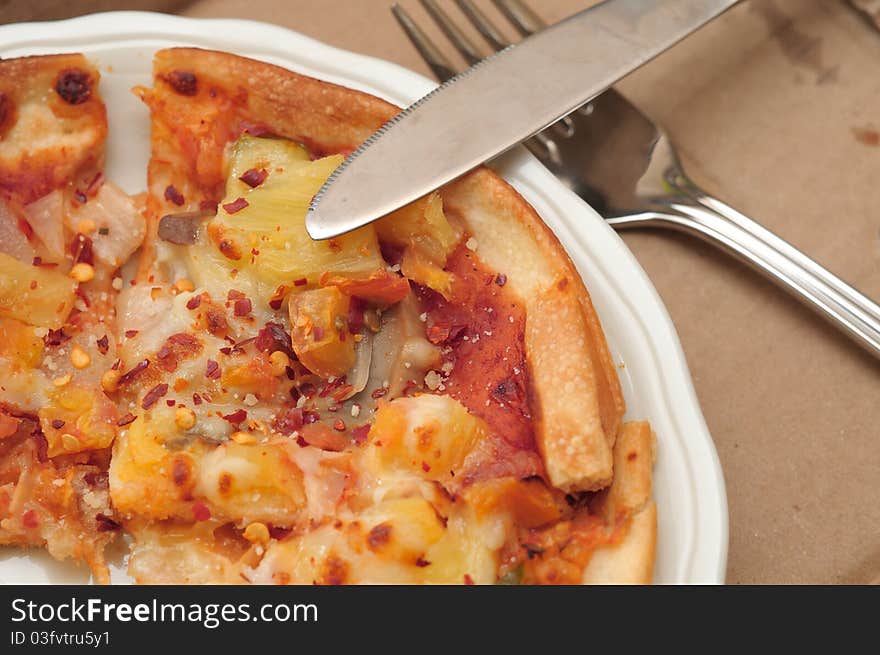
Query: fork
626	168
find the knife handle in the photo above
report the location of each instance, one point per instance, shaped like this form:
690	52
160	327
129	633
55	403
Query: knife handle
851	311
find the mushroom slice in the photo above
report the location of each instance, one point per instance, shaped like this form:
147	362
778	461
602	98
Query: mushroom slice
401	354
184	228
359	375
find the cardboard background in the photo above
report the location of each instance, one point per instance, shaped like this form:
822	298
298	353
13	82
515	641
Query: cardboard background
773	108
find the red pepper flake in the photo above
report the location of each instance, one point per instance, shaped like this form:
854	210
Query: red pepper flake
378	393
103	344
302	443
38	261
501	279
332	386
236	417
30	520
289	422
41	445
81	249
173	195
131	374
278	297
171	402
318	333
425	466
468	580
153	395
212	370
194	302
242	307
126	420
254	129
57	423
342	392
422	562
207	206
95	184
106	524
356	308
33	285
81	198
235	294
301	282
197	399
278	533
339	425
201	512
359	434
253	177
310	417
82	296
235	206
130	334
55	337
227	350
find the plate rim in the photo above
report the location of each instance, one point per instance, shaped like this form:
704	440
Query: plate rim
708	559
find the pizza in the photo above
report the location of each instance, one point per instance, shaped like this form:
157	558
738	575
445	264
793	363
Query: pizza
185	374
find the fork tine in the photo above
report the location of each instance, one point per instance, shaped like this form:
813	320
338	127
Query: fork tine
459	39
484	27
521	16
436	60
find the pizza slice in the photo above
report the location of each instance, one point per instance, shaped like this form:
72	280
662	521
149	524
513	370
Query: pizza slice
422	400
64	232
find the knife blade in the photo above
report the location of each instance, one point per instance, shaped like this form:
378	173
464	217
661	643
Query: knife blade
498	103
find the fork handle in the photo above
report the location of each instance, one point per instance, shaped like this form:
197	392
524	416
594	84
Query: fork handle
835	300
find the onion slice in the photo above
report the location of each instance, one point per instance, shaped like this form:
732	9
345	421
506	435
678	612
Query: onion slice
46	217
119	226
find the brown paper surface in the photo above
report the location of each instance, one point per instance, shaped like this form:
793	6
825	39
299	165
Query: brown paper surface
773	108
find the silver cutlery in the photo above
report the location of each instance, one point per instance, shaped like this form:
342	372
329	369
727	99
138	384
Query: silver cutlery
626	168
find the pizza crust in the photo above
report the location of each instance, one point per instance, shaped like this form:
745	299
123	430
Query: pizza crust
576	400
52	123
627	506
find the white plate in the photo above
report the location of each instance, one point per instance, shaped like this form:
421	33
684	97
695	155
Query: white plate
689	486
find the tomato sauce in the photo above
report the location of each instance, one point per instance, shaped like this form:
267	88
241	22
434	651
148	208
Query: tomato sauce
482	332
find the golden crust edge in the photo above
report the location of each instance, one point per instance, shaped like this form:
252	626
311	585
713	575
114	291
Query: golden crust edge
628	501
632	560
546	275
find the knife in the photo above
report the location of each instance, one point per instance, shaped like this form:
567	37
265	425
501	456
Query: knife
497	103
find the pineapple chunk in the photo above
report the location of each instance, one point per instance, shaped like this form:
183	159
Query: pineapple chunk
253	482
427	238
529	503
261	232
319	331
428	435
402	529
148	479
422	225
86	418
19	343
38	296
